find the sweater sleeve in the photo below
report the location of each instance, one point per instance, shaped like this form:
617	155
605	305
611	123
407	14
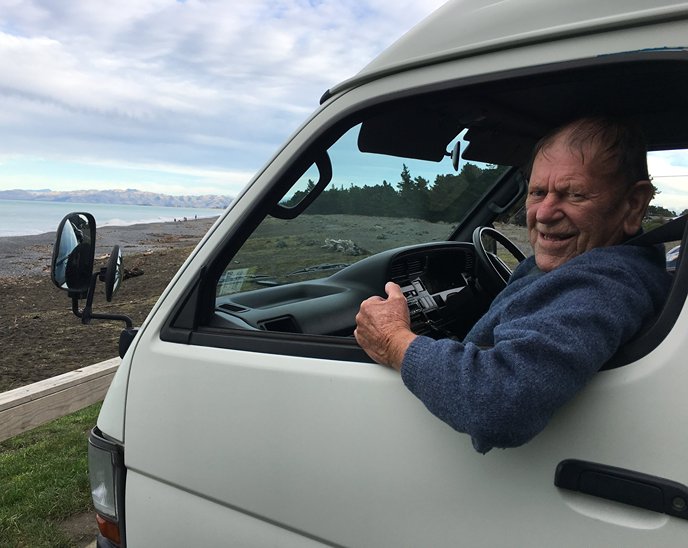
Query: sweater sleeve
549	340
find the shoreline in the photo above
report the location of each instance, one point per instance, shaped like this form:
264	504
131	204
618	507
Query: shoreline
31	255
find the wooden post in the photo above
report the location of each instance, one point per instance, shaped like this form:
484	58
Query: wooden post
29	406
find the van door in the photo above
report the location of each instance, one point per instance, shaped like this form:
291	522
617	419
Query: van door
232	446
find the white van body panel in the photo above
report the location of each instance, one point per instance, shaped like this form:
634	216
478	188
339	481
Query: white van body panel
229	447
265	435
200	522
111	416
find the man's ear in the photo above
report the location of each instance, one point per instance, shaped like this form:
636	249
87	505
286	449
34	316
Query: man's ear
637	199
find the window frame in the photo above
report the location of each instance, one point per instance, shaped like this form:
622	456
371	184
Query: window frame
189	318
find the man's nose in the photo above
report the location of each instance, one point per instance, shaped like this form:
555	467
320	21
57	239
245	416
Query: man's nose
549	209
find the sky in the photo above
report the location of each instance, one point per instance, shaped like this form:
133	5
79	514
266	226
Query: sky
186	97
176	97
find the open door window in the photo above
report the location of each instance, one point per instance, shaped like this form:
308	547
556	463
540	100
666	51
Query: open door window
395	193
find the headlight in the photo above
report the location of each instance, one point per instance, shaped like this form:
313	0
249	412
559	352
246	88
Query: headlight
106	472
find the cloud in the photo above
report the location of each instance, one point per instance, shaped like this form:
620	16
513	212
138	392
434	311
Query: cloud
207	84
669	172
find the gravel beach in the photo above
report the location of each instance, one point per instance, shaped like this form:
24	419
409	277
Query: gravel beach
30	255
39	335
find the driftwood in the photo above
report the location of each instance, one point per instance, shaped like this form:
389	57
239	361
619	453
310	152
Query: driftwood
348	247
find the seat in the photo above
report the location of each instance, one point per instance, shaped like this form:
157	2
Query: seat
653	334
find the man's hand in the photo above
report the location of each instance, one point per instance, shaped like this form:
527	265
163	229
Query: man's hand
383	327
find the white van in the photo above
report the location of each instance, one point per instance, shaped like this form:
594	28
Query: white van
245	414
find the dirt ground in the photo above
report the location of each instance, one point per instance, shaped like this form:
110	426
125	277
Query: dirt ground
81	529
39	335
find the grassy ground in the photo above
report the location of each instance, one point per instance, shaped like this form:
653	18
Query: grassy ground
44	479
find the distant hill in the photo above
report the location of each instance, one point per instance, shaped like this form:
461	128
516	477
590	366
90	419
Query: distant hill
125	197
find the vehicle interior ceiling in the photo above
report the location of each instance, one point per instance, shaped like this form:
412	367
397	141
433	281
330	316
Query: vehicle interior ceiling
505	119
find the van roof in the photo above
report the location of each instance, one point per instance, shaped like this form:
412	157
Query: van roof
464	28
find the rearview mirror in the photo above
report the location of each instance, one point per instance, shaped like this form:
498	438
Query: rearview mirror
73	254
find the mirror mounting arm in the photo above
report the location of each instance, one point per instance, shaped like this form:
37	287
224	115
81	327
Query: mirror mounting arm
87	314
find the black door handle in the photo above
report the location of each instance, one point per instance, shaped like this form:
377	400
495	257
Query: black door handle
626	486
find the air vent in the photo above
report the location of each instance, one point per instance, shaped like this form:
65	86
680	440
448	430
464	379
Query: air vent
397	271
233	307
415	266
405	269
284	324
468	263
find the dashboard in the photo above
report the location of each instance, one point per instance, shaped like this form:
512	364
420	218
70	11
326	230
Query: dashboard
438	281
440	287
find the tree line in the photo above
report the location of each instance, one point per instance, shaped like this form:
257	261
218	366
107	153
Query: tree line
447	198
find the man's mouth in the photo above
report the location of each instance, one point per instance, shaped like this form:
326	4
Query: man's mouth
554	237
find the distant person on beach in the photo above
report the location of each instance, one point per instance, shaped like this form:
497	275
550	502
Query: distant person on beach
565	311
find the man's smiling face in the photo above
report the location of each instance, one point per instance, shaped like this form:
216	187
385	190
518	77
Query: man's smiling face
573	205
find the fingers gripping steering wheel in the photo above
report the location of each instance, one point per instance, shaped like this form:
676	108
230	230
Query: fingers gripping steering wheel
496	273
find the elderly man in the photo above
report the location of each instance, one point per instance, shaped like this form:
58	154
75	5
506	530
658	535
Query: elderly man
565	311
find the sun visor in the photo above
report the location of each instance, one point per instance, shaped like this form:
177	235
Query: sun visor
418	135
495	146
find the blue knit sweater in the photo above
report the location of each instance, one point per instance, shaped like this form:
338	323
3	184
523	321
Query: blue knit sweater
543	338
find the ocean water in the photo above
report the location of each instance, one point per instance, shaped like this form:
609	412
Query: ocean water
23	217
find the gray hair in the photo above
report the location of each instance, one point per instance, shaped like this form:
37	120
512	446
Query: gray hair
617	146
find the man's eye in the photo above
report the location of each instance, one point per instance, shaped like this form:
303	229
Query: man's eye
537	193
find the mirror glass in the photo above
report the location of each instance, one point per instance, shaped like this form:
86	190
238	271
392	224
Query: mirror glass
72	263
113	275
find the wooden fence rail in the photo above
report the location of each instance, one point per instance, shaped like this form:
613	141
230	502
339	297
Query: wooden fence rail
29	406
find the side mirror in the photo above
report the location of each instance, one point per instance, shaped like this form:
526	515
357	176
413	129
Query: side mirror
113	274
72	270
74	252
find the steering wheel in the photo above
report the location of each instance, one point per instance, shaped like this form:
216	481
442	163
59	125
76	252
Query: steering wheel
496	272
